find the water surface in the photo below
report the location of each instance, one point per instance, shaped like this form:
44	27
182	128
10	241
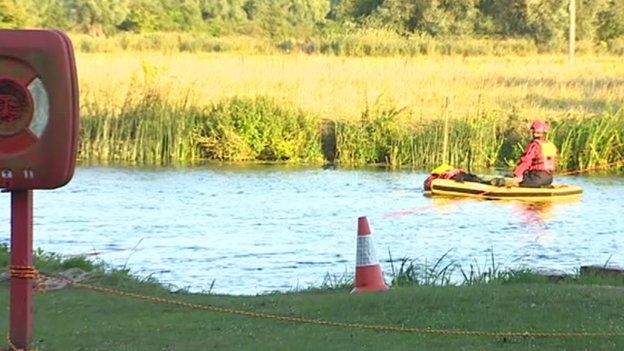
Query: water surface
250	230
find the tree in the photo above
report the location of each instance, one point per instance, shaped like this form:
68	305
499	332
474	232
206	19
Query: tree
285	17
53	14
16	14
96	17
223	10
548	21
183	14
502	17
395	14
143	16
443	17
611	21
587	17
353	10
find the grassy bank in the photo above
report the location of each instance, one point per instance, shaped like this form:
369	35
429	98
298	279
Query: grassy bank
78	319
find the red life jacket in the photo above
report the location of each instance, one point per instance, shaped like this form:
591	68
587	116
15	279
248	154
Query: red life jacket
546	158
446	175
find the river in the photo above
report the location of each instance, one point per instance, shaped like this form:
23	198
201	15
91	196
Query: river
247	230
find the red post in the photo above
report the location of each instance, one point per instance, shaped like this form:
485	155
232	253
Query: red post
21	332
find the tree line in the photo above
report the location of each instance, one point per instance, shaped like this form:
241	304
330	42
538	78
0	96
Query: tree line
544	21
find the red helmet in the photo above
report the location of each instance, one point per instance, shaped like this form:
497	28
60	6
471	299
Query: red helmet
539	126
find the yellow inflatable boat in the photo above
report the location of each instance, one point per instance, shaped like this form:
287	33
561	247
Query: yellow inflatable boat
449	187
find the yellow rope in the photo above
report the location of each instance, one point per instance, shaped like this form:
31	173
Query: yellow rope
24	272
12	346
28	272
385	328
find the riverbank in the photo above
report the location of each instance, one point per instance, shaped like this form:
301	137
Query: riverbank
151	109
79	318
149	129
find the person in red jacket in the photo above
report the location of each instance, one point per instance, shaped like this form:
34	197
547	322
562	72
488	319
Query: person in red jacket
539	161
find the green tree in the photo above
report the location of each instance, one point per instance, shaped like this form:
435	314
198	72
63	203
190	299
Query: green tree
611	21
182	14
587	21
396	14
53	14
223	10
143	16
443	17
96	17
502	17
548	22
288	17
353	10
16	14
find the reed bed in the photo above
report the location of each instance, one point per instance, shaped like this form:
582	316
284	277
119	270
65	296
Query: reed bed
149	129
162	109
590	143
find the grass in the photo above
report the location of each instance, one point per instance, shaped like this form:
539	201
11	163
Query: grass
151	129
79	319
358	42
152	108
341	88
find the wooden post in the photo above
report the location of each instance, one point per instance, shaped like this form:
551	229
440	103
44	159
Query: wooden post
445	142
572	33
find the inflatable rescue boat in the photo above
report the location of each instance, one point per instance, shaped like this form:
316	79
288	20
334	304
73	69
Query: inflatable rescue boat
454	188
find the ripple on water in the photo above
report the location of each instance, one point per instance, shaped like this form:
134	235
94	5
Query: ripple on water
261	229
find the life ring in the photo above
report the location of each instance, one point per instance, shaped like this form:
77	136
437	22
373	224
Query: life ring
24	106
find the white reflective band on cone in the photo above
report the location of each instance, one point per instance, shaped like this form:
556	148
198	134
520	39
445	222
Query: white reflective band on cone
41	107
365	252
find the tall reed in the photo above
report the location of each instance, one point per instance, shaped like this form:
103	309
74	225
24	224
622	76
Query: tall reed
150	129
386	136
590	142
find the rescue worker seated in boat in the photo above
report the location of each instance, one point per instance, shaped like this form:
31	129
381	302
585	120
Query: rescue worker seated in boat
450	172
539	161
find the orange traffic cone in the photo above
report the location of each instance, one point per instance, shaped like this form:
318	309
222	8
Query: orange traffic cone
368	274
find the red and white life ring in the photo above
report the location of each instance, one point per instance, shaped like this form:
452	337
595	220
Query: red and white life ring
24	107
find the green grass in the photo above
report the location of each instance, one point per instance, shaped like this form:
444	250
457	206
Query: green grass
73	319
78	319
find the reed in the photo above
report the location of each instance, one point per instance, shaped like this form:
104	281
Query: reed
314	109
386	137
592	142
149	129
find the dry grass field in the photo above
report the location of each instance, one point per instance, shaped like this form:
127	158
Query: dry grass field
341	88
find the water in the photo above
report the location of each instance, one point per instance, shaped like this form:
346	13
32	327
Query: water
250	230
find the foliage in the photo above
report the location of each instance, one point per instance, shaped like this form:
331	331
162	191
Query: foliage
611	21
14	14
544	21
548	21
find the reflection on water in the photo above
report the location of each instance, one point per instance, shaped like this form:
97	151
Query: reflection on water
253	230
534	218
